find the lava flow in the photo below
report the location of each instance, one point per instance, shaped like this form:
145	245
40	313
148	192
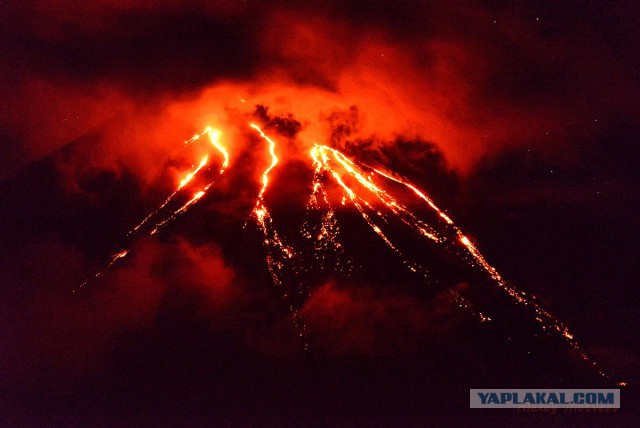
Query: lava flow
367	190
164	214
327	158
278	253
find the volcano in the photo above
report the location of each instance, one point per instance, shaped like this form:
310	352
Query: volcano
316	213
268	273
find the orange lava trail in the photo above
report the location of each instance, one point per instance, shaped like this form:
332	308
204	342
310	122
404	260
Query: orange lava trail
544	318
196	197
322	162
214	136
278	252
320	157
547	321
182	184
401	212
417	191
274	162
114	258
326	239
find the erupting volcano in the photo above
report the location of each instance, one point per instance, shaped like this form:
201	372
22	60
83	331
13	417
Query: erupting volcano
333	213
405	220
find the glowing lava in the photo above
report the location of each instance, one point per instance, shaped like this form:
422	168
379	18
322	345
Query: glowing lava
161	214
214	137
278	252
376	206
325	235
328	159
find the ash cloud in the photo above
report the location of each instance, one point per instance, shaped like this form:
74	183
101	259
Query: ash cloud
287	125
474	79
60	340
349	319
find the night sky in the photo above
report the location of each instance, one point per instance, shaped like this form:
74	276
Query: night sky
519	119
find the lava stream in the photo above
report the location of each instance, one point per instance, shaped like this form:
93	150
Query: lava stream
325	237
214	137
322	162
278	252
546	321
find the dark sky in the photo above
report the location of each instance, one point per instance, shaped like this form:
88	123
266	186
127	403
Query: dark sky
519	118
